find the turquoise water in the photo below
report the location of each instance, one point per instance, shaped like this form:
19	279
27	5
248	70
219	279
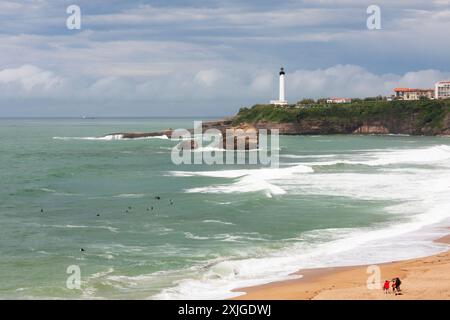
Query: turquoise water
335	200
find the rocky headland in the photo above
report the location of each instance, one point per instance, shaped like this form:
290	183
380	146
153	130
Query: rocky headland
424	117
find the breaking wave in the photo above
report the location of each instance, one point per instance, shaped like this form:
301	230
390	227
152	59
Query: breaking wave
111	137
252	180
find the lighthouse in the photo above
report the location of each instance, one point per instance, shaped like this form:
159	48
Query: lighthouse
282	97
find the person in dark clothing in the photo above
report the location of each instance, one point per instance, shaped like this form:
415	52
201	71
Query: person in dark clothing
397	284
393	286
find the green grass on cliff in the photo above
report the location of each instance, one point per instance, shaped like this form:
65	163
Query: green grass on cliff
427	113
261	112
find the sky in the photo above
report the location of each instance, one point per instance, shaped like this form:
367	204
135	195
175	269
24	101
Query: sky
211	57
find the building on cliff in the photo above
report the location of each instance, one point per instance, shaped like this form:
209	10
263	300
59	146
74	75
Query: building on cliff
413	94
339	100
282	97
442	90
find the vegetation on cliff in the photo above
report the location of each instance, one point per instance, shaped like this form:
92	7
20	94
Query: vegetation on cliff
428	114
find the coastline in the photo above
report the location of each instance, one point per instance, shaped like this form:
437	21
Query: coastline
422	278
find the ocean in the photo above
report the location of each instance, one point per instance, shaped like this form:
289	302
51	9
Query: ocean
335	200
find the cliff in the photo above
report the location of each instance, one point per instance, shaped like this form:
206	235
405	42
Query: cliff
424	117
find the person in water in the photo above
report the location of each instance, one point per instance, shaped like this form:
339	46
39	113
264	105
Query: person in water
386	286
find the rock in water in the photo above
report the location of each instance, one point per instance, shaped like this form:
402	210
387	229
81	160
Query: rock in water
242	137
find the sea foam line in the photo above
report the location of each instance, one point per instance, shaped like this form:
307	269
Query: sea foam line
113	137
252	180
218	221
69	226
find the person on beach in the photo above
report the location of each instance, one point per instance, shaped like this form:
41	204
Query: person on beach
393	286
386	286
397	284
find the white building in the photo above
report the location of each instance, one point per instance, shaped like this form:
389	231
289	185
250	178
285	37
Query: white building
413	94
282	98
339	100
442	90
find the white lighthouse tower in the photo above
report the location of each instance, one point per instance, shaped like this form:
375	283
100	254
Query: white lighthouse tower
282	98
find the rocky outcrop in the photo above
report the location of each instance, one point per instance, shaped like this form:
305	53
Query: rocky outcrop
381	125
385	126
242	137
371	129
222	125
137	135
444	130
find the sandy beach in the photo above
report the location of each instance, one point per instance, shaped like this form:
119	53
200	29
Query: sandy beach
424	278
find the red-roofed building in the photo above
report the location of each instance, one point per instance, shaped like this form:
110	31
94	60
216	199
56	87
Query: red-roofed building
413	94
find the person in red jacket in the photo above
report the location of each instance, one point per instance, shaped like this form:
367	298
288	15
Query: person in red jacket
386	286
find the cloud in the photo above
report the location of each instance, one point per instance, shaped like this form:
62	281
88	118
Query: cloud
355	81
217	54
262	84
29	79
208	78
10	7
214	84
442	2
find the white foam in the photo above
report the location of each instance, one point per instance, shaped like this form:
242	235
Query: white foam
105	138
359	185
420	198
296	156
89	292
130	195
331	248
218	221
111	137
191	236
70	226
253	180
226	237
428	155
58	193
163	137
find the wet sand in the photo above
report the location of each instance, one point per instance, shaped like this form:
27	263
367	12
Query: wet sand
423	278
